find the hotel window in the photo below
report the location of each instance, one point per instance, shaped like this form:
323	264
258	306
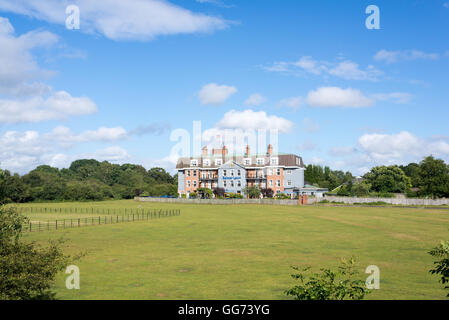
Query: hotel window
194	184
188	173
247	161
271	183
194	173
278	183
270	172
194	163
188	184
232	173
289	182
239	173
232	184
224	173
206	162
289	172
278	171
274	161
218	162
239	184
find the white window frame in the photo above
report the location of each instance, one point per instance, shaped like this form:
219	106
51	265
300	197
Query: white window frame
194	163
274	161
206	162
218	162
247	161
260	161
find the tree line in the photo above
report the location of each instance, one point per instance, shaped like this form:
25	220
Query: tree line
86	180
429	178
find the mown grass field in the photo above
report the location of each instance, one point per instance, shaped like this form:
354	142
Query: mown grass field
245	251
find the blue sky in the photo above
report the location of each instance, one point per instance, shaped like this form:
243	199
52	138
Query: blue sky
115	89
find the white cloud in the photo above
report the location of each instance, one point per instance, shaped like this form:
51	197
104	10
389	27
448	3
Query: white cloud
255	99
255	120
111	154
121	20
23	151
400	148
18	65
347	69
337	97
293	102
65	137
406	55
446	5
59	105
350	71
214	94
395	97
352	98
23	95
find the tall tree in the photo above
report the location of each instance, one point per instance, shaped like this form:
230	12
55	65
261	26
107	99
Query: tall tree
434	178
388	179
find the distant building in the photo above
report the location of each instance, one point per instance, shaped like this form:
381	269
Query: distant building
283	173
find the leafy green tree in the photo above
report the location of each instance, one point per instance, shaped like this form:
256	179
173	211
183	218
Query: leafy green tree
388	179
160	175
412	170
27	271
253	192
342	284
442	265
434	178
360	189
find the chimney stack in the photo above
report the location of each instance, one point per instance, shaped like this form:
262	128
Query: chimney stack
247	150
270	150
224	151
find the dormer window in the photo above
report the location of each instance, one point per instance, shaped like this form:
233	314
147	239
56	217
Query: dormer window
194	163
274	161
247	161
206	162
260	161
218	162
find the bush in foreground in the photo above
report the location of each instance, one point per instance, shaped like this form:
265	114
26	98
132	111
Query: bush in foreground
442	265
27	270
328	284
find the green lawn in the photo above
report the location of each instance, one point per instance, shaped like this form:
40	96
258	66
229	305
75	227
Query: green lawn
245	251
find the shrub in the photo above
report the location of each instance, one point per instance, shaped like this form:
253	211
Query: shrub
442	265
27	271
328	285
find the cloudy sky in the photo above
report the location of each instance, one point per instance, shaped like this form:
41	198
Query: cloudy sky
135	71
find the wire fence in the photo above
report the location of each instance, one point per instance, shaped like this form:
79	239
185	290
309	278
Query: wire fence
58	224
87	210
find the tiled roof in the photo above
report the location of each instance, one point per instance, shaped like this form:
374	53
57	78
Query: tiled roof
286	160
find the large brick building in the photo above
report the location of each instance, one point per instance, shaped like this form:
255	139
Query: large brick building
283	173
